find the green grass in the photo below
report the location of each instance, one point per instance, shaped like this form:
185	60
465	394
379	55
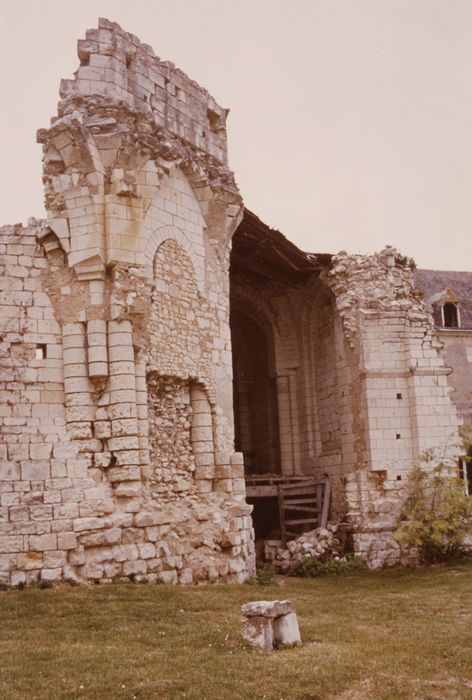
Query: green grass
382	635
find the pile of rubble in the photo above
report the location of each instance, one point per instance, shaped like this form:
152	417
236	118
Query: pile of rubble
322	543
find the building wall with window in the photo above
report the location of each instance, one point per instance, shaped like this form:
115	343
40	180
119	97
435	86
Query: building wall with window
449	295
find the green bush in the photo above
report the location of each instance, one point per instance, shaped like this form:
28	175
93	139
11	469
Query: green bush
311	567
436	514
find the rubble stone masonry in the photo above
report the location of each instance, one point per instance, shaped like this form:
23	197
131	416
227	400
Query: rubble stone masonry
116	415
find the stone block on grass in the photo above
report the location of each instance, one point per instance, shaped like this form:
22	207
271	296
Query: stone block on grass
270	623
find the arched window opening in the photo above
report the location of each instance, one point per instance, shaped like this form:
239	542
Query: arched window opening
450	315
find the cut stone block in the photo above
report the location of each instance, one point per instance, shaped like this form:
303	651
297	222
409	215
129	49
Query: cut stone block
286	631
258	632
268	608
270	623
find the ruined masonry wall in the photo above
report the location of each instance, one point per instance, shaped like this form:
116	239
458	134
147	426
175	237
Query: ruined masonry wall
59	518
117	455
405	403
130	469
40	474
170	421
367	388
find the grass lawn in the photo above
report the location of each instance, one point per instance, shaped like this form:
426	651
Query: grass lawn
368	635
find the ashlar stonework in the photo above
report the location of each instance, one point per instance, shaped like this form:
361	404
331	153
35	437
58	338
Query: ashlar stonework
117	432
162	349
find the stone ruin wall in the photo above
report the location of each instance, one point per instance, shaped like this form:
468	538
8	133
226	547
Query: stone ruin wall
368	389
400	394
116	414
363	386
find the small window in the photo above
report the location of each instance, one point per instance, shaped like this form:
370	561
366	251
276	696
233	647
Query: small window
41	351
450	315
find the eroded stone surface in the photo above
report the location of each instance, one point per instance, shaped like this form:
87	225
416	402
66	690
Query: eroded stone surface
287	631
258	632
270	623
267	608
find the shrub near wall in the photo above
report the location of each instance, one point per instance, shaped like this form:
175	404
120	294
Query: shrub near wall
436	515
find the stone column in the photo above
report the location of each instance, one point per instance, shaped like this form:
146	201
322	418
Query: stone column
202	440
97	349
77	388
124	443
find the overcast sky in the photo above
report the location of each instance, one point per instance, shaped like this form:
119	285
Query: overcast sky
350	123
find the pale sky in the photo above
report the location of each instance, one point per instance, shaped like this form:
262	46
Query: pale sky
350	123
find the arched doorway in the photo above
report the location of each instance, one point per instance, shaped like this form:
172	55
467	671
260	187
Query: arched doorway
255	396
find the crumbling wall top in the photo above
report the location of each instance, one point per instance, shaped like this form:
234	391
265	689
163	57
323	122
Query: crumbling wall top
116	65
377	282
124	122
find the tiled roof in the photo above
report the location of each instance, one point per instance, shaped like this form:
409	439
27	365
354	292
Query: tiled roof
455	284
